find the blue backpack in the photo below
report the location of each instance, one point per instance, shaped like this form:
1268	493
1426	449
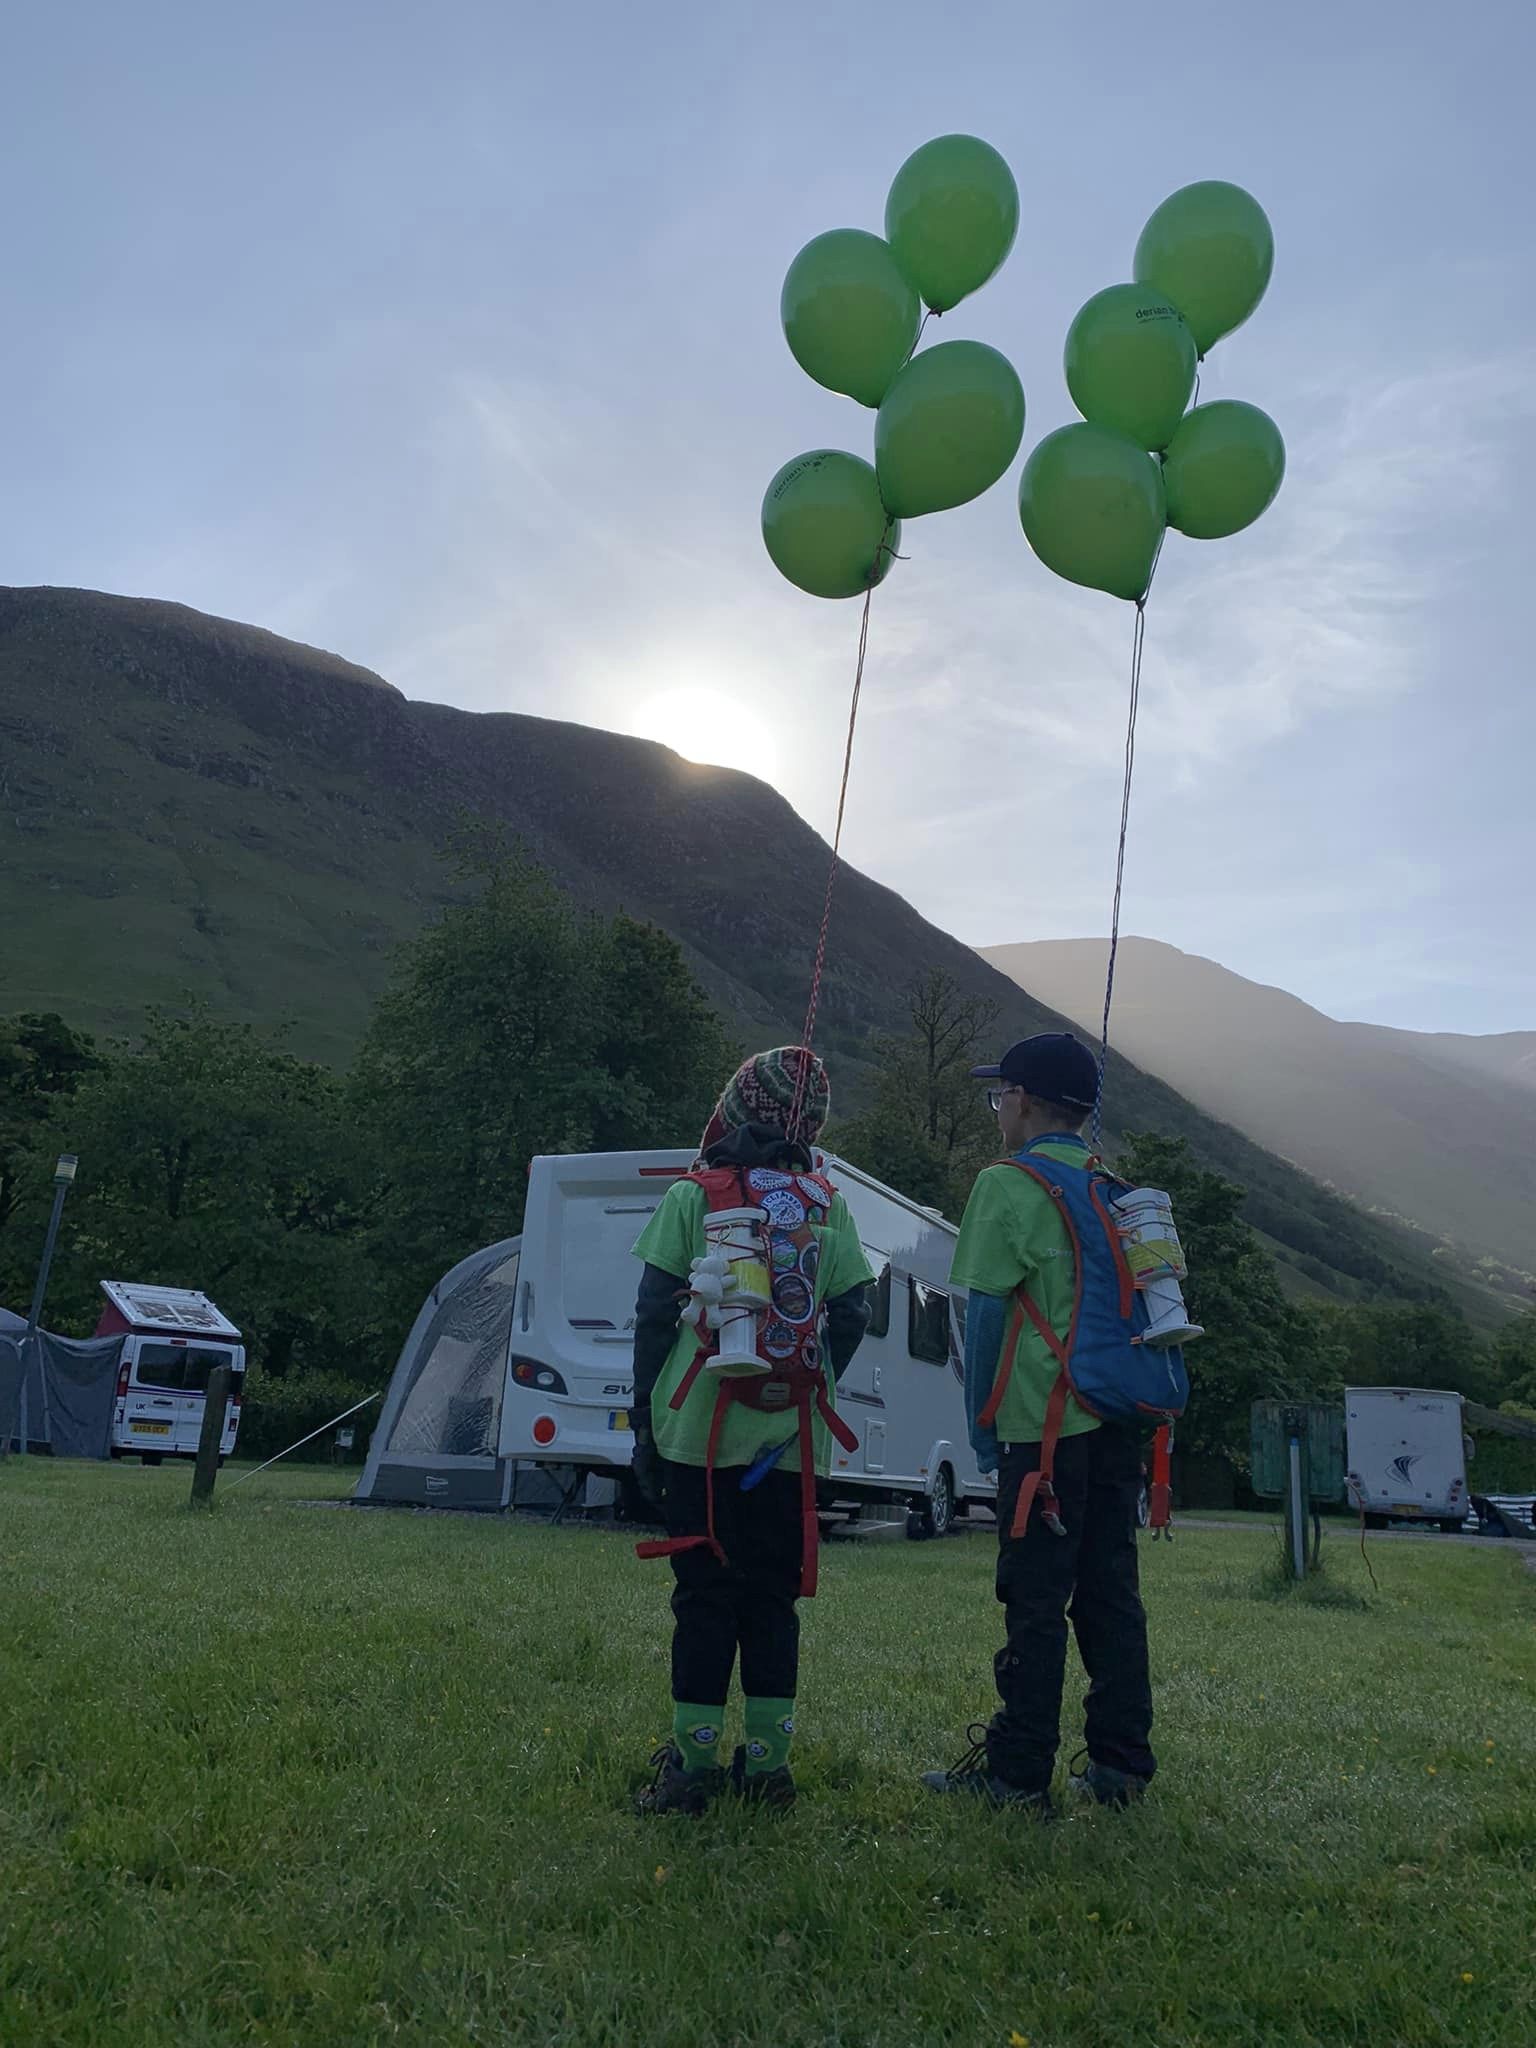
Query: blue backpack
1105	1366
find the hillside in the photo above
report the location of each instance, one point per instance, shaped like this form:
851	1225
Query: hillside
1434	1129
192	805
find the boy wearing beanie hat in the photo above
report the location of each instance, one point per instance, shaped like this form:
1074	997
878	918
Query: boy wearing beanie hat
1079	1560
738	1569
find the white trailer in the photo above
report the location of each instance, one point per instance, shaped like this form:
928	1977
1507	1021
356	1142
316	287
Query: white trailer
456	1430
1407	1455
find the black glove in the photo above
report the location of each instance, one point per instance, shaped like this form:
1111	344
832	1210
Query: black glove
648	1469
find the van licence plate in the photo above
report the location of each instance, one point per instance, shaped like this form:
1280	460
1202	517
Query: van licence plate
618	1418
151	1428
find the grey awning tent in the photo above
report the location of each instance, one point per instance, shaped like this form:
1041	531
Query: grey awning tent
70	1385
436	1439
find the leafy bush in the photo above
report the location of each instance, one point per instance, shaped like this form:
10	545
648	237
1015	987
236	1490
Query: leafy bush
277	1412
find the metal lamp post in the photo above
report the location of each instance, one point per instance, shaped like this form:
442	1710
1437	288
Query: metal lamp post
63	1180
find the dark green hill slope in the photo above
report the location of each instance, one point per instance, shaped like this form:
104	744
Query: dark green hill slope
189	804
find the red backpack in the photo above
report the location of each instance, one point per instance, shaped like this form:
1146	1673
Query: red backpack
789	1342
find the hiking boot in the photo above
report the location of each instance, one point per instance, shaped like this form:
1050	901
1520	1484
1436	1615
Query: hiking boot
674	1790
762	1788
973	1777
1104	1785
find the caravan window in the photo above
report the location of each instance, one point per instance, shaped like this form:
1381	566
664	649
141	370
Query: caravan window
878	1293
177	1368
928	1323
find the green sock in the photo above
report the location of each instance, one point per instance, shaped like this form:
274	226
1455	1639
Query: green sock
696	1731
770	1730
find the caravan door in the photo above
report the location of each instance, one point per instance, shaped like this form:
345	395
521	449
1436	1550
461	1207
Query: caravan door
570	1371
903	1395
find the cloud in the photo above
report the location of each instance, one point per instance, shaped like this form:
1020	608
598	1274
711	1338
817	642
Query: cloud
600	562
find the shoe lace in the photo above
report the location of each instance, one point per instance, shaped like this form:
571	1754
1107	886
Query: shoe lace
975	1757
661	1757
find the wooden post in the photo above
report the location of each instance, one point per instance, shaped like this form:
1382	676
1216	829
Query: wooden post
205	1471
1298	1498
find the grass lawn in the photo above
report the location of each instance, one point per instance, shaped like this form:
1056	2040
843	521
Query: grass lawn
296	1775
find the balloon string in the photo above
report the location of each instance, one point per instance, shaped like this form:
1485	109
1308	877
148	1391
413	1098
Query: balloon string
1138	645
808	1034
917	339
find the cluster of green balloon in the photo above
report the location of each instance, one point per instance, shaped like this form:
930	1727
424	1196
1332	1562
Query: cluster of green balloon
949	422
1095	499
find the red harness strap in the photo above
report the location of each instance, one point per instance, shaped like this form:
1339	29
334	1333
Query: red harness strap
1160	1492
801	1377
810	1532
672	1545
1037	1484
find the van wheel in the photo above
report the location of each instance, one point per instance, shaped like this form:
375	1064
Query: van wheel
1376	1521
1451	1526
150	1457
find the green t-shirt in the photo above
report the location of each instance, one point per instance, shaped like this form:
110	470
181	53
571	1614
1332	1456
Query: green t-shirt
1012	1233
672	1240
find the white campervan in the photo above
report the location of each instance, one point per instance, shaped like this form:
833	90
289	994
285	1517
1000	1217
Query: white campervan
1407	1455
172	1338
523	1355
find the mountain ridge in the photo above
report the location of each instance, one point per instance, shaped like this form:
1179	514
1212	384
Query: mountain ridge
1436	1130
188	804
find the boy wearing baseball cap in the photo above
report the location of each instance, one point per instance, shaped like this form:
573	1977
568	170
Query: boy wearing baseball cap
1077	1560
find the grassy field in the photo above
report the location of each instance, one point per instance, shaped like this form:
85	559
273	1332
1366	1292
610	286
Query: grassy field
286	1774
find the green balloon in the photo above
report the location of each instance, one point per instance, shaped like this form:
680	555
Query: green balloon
951	216
1131	363
1091	503
825	527
1211	249
849	315
1222	469
948	428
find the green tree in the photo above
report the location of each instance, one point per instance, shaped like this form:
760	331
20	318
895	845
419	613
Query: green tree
928	1130
211	1159
1512	1361
662	1047
41	1058
1256	1346
42	1062
518	1025
1415	1344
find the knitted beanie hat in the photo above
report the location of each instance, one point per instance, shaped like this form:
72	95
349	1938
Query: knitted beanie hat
762	1091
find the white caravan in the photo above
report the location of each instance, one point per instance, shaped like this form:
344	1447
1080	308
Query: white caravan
1407	1456
457	1430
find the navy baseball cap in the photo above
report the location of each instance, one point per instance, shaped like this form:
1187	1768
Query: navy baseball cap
1053	1065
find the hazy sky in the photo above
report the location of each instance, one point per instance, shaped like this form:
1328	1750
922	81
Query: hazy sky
446	336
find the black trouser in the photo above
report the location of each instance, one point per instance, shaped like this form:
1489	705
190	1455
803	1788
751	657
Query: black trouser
745	1604
1088	1574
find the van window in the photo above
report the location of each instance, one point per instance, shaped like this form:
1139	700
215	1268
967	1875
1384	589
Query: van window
179	1368
928	1323
878	1294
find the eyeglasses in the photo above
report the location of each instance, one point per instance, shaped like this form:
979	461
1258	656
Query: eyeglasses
995	1096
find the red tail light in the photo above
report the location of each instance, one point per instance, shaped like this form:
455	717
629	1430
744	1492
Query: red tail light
122	1380
544	1430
